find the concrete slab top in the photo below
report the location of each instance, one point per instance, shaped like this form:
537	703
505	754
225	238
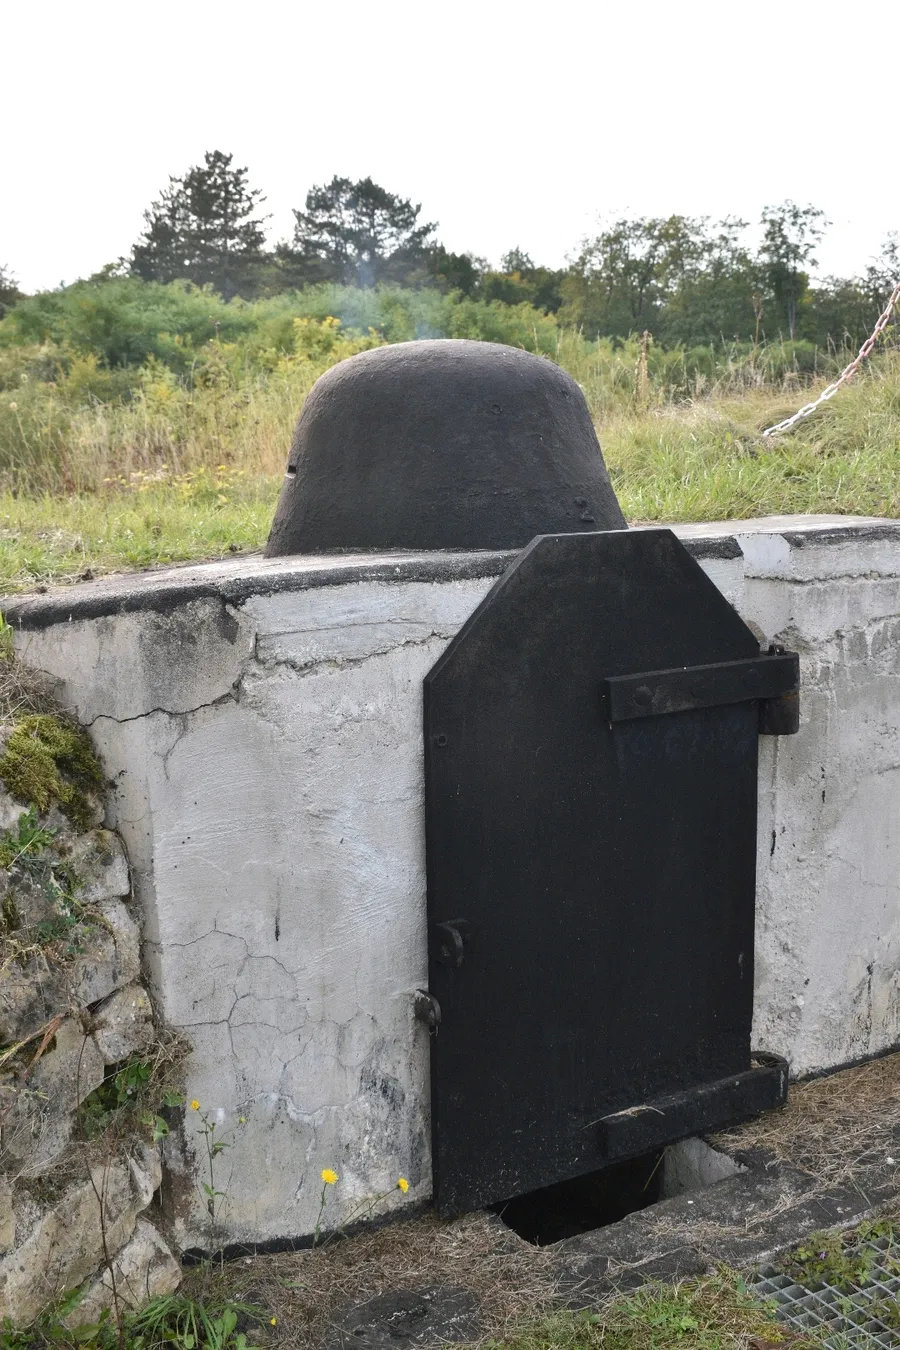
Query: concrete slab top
234	580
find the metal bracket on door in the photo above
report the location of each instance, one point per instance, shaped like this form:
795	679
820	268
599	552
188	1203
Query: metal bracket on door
708	1106
772	678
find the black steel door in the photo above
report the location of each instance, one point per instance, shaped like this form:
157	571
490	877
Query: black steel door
591	861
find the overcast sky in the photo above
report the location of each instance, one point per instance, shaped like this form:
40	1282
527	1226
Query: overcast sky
513	124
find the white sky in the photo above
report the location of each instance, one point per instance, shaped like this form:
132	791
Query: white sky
513	124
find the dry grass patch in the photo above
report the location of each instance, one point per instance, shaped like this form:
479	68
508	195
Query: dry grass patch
308	1291
831	1126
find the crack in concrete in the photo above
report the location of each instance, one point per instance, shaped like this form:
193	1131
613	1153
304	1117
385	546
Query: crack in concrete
824	580
230	697
328	664
392	620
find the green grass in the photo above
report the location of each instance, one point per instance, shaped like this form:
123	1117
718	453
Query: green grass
718	1312
48	539
714	1313
709	460
177	1321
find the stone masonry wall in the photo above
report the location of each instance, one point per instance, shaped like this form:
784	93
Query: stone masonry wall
73	1011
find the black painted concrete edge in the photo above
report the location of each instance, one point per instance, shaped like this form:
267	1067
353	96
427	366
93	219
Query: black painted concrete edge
164	591
234	1251
724	547
839	534
743	1222
233	582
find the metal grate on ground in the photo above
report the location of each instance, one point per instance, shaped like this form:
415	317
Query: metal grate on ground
853	1316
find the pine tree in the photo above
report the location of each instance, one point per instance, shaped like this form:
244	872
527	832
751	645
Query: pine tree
204	228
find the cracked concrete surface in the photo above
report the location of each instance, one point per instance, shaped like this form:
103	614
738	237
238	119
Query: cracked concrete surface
273	810
266	757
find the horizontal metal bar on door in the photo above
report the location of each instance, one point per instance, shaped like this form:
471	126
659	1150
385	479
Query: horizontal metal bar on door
654	693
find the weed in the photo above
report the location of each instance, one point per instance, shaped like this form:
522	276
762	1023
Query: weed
180	1321
362	1211
9	915
28	856
886	1310
215	1144
28	838
176	1321
329	1178
7	652
135	1093
842	1260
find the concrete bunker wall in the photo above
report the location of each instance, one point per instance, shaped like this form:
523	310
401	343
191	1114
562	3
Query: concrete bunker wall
261	722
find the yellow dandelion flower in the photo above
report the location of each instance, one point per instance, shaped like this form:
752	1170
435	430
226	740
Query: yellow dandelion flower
273	1321
195	1105
328	1176
403	1184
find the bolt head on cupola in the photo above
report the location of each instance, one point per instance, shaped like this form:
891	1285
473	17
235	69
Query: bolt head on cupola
444	444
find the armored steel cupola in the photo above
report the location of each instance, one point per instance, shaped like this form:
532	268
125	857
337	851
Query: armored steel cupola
443	444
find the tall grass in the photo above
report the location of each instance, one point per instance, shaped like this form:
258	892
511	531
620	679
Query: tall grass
102	382
177	451
77	432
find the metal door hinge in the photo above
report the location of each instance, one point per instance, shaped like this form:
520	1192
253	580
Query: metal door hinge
450	939
427	1009
780	715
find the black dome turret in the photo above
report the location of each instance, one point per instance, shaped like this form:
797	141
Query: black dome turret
441	445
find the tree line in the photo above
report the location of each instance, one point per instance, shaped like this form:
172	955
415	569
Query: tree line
684	280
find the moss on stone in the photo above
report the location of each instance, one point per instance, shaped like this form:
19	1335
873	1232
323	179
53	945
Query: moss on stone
48	760
9	915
